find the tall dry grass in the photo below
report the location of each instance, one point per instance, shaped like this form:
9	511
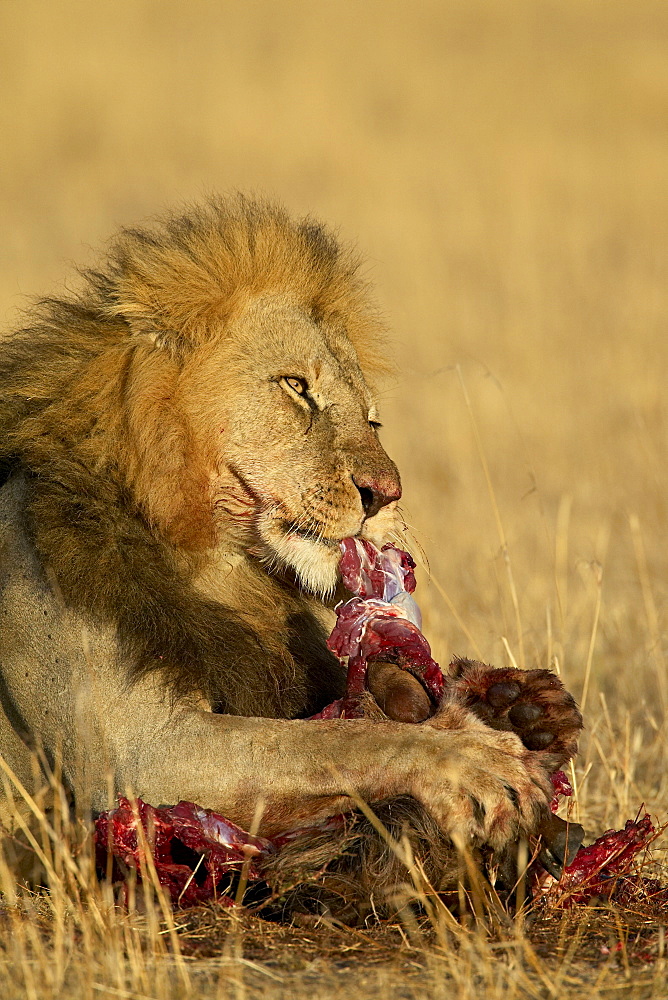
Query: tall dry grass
503	166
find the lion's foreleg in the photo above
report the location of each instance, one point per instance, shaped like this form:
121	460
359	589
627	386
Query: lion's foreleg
480	786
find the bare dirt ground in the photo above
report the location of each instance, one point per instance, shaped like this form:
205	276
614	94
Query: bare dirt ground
503	167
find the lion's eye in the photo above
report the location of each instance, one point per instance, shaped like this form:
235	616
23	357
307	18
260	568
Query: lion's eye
298	385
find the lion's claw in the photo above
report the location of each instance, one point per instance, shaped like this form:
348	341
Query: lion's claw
488	788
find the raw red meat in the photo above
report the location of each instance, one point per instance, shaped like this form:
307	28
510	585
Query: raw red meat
381	622
214	847
562	788
605	867
368	572
197	853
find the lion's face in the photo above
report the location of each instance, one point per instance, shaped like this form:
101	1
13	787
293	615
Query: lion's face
293	440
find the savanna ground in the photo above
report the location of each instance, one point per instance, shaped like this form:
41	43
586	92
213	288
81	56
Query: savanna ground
503	167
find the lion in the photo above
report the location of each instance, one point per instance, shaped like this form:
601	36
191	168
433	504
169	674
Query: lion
185	442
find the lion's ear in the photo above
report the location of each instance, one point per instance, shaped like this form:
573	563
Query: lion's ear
163	339
170	292
149	328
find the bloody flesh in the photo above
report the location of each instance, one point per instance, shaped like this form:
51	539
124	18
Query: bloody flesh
194	850
562	788
381	622
605	869
197	853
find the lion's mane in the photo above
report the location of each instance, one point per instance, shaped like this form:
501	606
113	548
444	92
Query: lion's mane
88	410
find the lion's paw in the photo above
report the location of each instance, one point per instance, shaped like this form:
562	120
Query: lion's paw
482	787
533	704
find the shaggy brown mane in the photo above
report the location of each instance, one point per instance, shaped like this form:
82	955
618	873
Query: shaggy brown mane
113	473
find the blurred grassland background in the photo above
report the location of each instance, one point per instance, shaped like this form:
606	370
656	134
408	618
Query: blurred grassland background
503	167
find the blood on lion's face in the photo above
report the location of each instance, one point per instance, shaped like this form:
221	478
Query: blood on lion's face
297	462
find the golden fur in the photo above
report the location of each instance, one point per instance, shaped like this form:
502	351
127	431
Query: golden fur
187	441
108	400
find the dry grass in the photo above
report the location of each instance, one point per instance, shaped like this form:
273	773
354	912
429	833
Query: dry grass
503	165
78	940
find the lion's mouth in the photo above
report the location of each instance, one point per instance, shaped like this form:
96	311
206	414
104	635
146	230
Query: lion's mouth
308	547
311	535
304	550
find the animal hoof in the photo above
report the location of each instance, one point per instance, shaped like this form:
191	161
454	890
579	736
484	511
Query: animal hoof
561	841
399	694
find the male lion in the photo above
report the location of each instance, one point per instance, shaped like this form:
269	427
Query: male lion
185	444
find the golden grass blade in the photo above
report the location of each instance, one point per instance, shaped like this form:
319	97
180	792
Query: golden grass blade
497	516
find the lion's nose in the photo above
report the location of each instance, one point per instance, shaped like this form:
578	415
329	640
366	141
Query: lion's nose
377	491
